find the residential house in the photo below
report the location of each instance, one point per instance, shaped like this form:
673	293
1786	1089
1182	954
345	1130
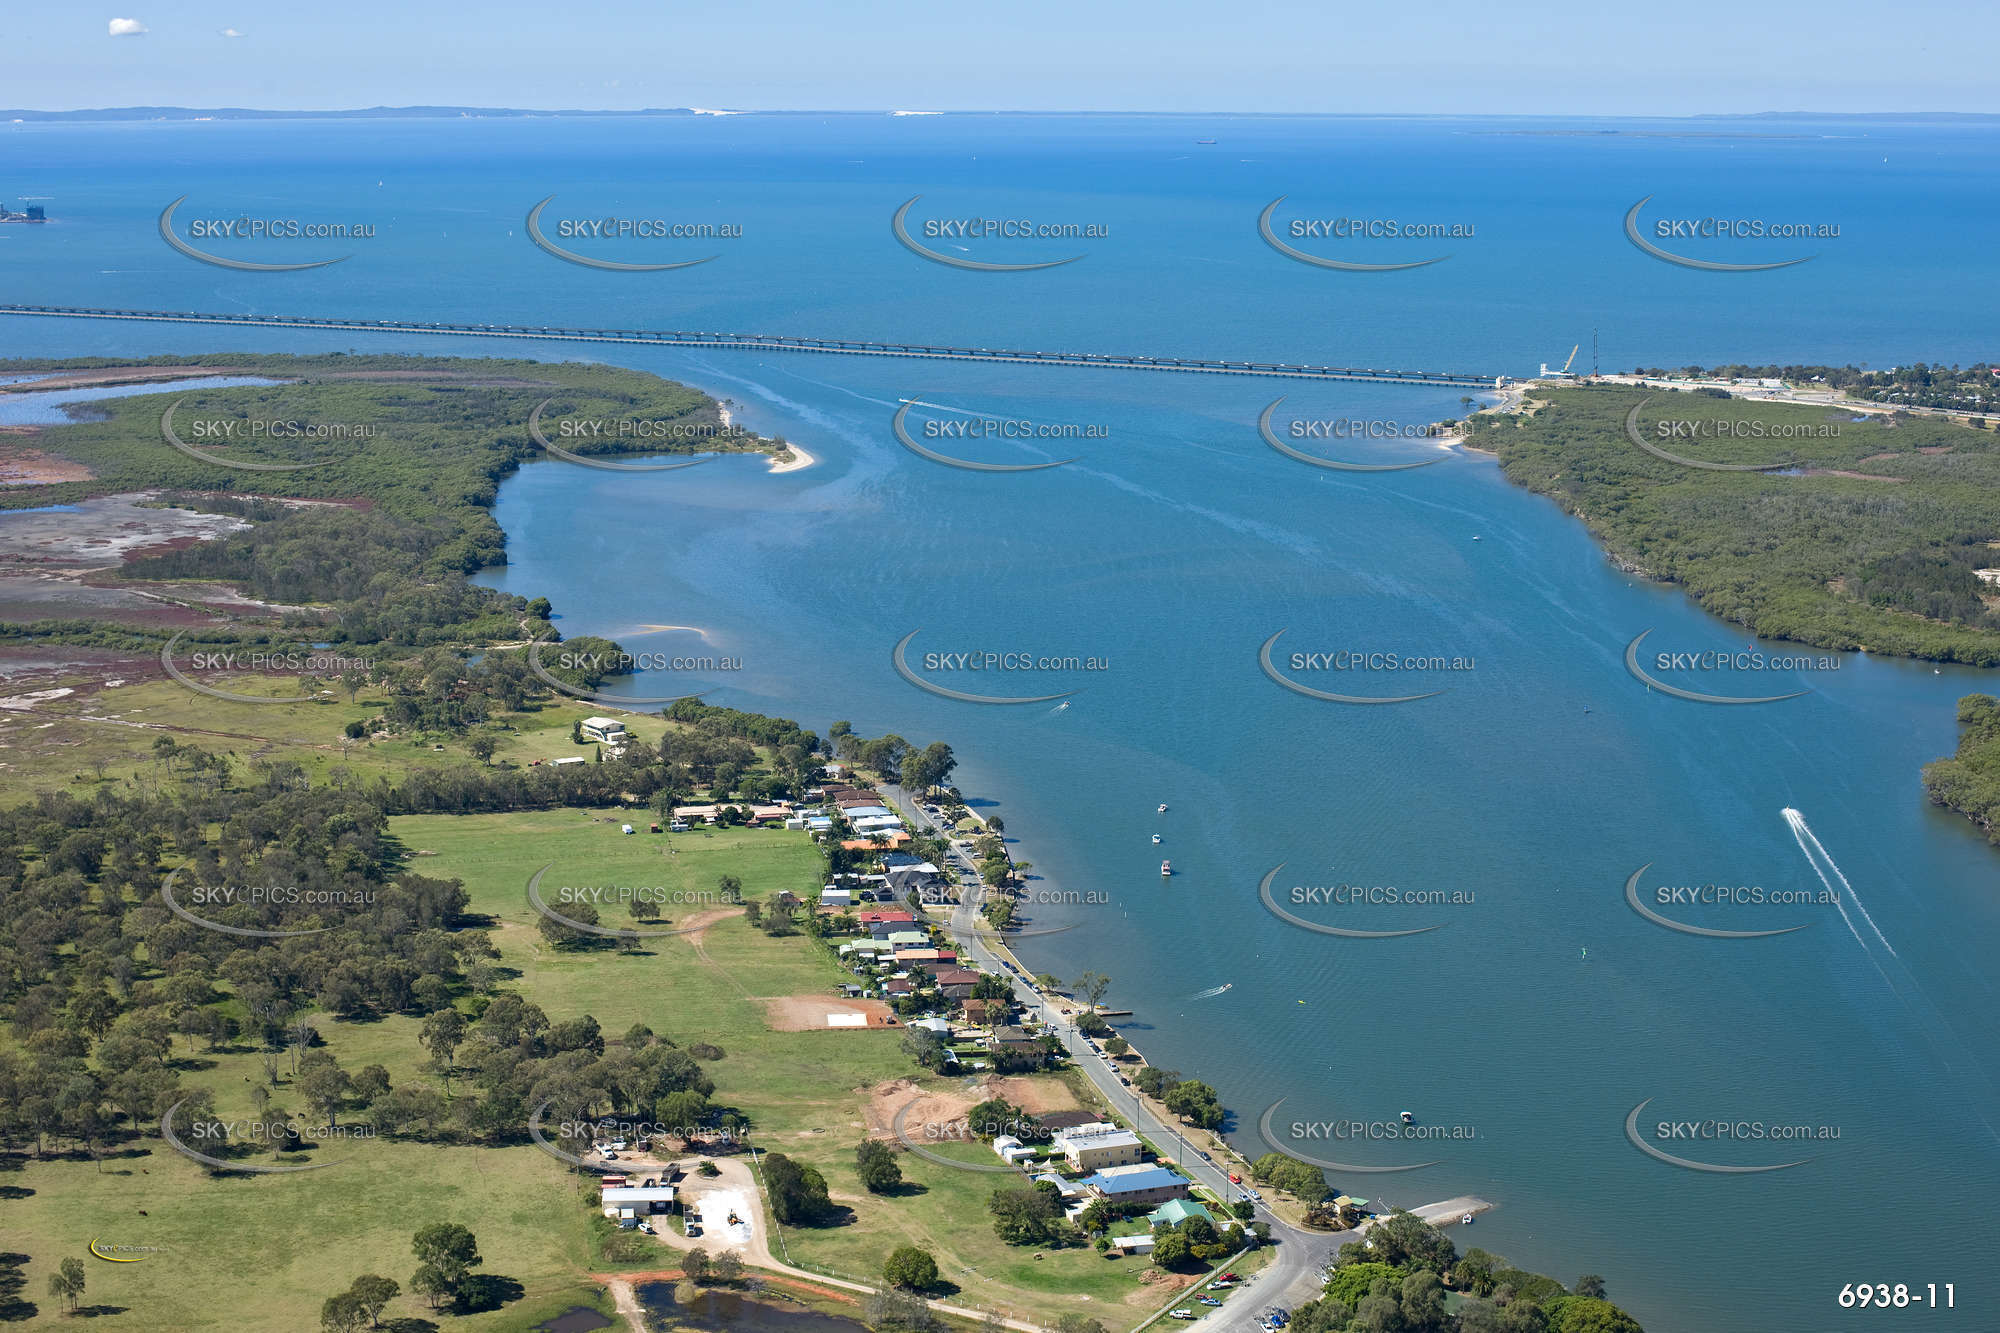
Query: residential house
1069	1189
984	1012
907	873
608	730
1137	1184
1095	1147
894	838
1176	1211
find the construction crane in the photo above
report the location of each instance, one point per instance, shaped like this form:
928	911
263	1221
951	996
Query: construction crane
1562	374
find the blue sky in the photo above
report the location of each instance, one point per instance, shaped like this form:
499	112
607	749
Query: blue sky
1443	56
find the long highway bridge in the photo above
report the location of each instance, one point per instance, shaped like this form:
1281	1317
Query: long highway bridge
771	342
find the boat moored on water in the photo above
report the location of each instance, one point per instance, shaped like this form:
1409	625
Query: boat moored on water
1166	868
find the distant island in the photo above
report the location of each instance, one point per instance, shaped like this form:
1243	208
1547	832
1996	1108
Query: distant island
484	112
362	113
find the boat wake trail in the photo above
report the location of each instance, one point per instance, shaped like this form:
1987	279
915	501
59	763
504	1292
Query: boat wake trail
1934	1030
1822	862
1211	992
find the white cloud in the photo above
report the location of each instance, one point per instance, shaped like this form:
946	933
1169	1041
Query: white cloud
126	27
231	32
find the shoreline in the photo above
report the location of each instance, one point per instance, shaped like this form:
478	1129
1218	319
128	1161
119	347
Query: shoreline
799	461
1216	1146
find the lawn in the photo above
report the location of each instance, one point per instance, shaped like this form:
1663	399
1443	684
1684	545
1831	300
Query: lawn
788	1082
270	1249
944	1211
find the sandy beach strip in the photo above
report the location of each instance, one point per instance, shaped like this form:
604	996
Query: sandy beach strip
800	459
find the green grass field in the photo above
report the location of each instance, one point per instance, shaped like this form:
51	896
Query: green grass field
270	1249
790	1082
274	1247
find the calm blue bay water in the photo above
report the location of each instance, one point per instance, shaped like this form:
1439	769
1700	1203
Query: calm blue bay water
1545	1009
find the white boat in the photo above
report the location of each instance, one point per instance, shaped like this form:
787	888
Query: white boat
1166	868
1156	837
1408	1119
1465	1221
1163	807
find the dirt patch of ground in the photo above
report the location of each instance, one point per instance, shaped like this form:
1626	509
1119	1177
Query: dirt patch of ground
887	1100
22	466
1880	458
1856	476
809	1013
694	926
1034	1095
1935	448
1163	1281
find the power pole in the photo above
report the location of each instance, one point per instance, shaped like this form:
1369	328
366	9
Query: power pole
1593	355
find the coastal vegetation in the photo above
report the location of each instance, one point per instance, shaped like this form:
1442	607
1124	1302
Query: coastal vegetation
1408	1277
398	505
1869	538
1969	781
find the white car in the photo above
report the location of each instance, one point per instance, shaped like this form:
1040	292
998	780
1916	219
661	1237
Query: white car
1183	1313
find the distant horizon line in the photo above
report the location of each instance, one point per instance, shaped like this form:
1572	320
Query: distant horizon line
424	111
